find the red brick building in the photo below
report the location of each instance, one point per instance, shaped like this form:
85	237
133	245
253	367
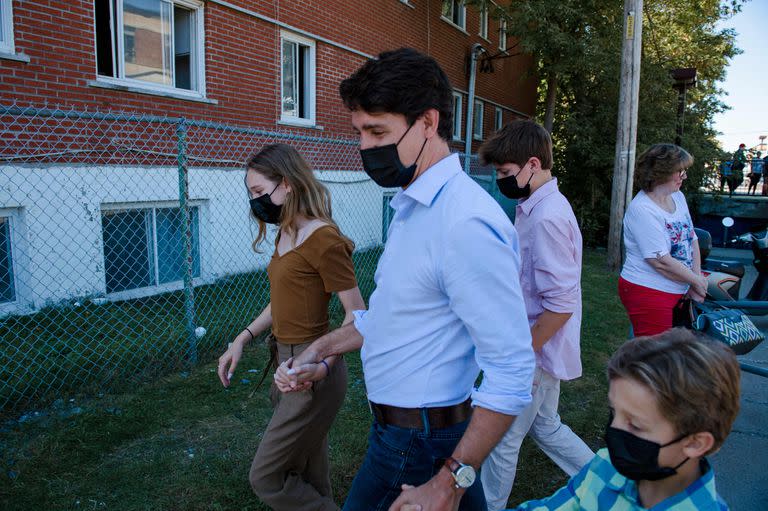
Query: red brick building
96	201
221	60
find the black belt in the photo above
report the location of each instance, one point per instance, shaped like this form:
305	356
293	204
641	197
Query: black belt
413	418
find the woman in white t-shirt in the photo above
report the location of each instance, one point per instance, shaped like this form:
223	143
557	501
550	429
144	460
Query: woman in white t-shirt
662	252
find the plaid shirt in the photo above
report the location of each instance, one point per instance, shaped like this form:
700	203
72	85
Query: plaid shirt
599	487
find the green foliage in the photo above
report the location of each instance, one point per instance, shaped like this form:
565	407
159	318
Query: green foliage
579	42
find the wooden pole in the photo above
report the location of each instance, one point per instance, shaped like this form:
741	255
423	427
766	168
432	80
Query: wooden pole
626	131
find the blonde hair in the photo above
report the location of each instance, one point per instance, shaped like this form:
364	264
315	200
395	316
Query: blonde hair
308	197
695	379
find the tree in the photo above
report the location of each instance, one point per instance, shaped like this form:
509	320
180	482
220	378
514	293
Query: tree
577	46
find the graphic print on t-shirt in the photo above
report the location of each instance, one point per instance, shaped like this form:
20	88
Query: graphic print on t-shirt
681	237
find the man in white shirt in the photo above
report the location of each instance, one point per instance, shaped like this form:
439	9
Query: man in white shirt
447	303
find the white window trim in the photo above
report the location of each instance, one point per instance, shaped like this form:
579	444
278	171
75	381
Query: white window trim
477	124
142	292
458	118
498	119
8	46
19	264
483	29
450	21
407	3
141	86
312	77
503	31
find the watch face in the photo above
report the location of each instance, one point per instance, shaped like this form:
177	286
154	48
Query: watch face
465	476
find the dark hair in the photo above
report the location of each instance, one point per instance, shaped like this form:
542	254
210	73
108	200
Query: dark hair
695	379
403	82
657	163
516	143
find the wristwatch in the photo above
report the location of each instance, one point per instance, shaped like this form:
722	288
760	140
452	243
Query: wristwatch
464	475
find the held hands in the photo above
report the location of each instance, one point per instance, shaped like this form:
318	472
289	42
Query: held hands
283	379
292	376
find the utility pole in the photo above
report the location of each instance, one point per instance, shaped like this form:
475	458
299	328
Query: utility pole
476	50
626	131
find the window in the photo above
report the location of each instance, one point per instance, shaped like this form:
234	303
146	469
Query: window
498	119
297	99
6	26
145	247
456	116
155	43
483	23
477	121
7	286
503	34
456	12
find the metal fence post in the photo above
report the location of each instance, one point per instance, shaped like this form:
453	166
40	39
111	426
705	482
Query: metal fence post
189	296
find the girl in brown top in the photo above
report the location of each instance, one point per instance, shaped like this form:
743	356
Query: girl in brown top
312	259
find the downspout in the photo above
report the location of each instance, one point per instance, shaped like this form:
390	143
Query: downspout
477	49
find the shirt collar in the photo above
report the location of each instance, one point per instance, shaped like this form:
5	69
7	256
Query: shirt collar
548	188
703	485
426	186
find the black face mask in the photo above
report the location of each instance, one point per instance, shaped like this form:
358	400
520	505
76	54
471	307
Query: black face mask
266	210
509	188
636	458
383	164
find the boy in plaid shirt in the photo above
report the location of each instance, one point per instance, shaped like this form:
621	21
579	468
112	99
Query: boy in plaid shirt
673	399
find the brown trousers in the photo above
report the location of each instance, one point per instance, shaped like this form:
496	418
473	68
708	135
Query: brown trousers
290	471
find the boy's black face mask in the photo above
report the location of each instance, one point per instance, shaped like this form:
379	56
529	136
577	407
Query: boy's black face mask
636	458
383	164
510	189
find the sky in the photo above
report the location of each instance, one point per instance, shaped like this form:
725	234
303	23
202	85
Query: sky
747	80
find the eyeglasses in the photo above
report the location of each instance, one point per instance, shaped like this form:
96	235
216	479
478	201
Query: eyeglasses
683	173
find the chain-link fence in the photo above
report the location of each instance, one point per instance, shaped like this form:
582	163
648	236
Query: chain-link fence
125	242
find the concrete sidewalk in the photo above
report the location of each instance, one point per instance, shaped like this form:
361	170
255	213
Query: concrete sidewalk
741	466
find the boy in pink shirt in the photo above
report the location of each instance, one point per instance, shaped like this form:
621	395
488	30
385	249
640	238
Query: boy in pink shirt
550	248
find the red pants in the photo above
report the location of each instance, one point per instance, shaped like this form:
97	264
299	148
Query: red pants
650	310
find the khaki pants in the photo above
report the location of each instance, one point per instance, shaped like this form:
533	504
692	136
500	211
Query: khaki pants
290	471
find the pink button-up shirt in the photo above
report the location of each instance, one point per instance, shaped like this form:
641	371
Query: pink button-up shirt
550	250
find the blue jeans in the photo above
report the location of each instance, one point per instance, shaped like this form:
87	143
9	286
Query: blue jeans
399	456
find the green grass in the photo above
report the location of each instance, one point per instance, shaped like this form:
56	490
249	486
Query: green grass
182	442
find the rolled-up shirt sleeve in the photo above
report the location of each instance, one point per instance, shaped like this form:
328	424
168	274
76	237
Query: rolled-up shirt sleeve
556	271
481	276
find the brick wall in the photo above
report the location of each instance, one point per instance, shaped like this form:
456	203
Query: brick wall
241	59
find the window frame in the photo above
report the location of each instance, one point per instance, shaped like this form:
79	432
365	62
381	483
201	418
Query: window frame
20	262
9	217
197	54
503	34
311	77
7	45
483	29
462	14
458	100
156	286
498	119
478	119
